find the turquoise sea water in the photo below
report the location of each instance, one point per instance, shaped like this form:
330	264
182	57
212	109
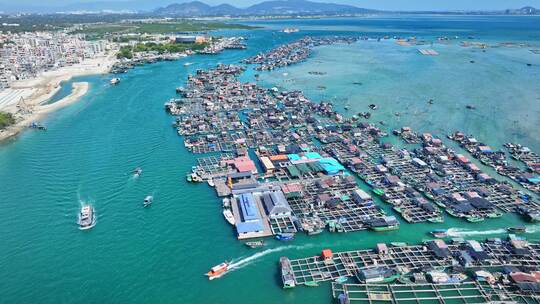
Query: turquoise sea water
159	254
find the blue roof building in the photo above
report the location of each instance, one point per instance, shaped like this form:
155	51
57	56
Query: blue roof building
248	207
251	220
331	166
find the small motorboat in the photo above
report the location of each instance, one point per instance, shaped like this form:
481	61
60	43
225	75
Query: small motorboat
227	213
470	107
226	203
217	271
211	182
439	233
255	244
148	200
115	81
188	63
87	217
517	229
373	106
137	172
285	236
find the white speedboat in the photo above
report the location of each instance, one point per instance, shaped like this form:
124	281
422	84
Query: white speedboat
115	81
87	217
137	172
229	216
148	200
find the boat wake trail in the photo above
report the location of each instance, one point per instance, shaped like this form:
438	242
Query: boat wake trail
533	229
459	232
245	261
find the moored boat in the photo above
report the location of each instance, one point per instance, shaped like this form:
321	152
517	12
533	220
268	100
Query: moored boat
380	274
255	244
286	273
341	280
227	213
311	284
285	236
217	271
386	223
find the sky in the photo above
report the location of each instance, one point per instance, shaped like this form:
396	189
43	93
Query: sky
374	4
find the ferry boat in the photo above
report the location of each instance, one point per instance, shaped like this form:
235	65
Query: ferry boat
440	233
286	273
148	200
217	271
255	244
137	172
87	217
228	216
115	81
285	236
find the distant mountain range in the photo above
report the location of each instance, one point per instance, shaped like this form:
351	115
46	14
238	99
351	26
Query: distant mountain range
200	9
279	7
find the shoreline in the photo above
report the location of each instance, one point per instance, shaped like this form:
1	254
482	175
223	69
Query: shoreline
79	90
46	85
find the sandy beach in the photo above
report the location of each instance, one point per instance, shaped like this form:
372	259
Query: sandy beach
43	87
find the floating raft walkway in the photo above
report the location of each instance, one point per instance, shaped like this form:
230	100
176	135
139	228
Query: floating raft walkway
468	292
412	258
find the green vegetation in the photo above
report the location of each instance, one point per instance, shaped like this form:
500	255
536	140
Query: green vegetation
6	120
98	31
171	48
100	25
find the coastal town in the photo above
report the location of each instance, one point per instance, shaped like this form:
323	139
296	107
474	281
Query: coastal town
34	64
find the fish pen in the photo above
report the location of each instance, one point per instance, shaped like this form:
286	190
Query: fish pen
410	259
284	224
467	293
332	201
346	264
214	166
